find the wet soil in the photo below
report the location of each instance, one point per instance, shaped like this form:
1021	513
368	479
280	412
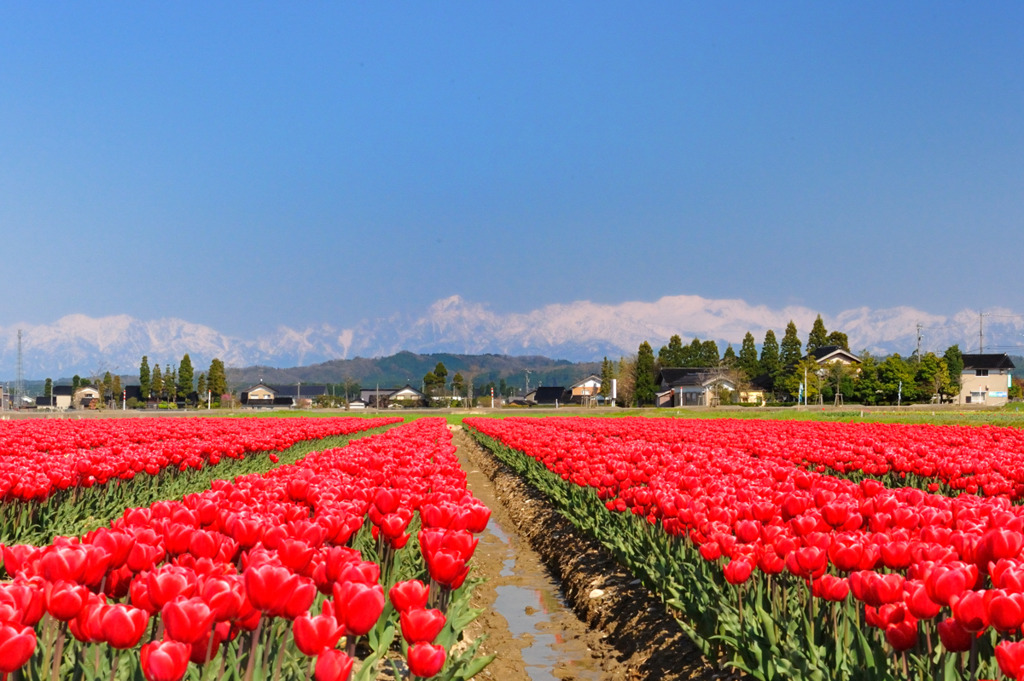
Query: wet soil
557	605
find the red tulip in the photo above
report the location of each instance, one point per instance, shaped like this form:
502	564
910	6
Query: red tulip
332	665
902	635
122	626
361	604
17	643
1005	610
954	638
409	594
739	570
970	612
187	619
313	634
64	600
1010	657
425	660
421	625
165	660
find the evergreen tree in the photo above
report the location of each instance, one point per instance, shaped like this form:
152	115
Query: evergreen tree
839	339
145	378
708	356
170	383
644	373
441	372
607	374
458	383
867	389
216	379
106	386
770	363
790	348
76	383
157	383
185	375
116	389
672	355
692	354
626	381
48	387
729	357
818	338
955	366
432	385
747	360
202	387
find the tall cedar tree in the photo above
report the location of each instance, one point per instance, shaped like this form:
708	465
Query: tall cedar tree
145	378
671	355
790	348
48	387
955	365
818	338
708	354
116	389
170	383
185	376
729	357
748	363
216	379
607	374
157	384
106	387
201	387
770	364
644	372
839	339
626	381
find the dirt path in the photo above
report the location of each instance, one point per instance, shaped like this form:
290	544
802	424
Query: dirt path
557	605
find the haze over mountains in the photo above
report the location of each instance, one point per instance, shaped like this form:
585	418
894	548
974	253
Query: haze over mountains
577	331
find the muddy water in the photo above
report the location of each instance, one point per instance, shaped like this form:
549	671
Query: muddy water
529	600
527	616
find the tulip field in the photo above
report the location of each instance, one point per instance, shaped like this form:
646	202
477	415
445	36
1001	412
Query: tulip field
348	562
802	550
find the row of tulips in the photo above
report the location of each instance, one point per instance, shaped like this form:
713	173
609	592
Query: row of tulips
305	571
41	457
780	571
184	457
950	459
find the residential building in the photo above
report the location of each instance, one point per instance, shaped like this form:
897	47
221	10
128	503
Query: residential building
692	386
986	379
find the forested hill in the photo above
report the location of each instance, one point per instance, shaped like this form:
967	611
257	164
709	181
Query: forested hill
408	367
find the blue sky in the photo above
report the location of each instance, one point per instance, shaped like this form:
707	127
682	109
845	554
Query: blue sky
247	164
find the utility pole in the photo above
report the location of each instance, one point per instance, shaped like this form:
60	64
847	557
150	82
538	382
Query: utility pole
526	371
919	342
981	333
19	385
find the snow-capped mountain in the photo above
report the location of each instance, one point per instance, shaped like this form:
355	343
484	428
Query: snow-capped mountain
580	330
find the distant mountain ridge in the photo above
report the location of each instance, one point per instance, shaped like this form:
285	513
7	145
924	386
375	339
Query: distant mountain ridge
581	331
404	368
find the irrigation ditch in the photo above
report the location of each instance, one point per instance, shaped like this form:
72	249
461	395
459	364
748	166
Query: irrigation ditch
557	604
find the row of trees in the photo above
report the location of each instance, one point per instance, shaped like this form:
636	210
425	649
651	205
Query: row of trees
175	384
435	383
787	371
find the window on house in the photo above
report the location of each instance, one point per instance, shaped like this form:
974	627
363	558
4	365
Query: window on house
981	372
